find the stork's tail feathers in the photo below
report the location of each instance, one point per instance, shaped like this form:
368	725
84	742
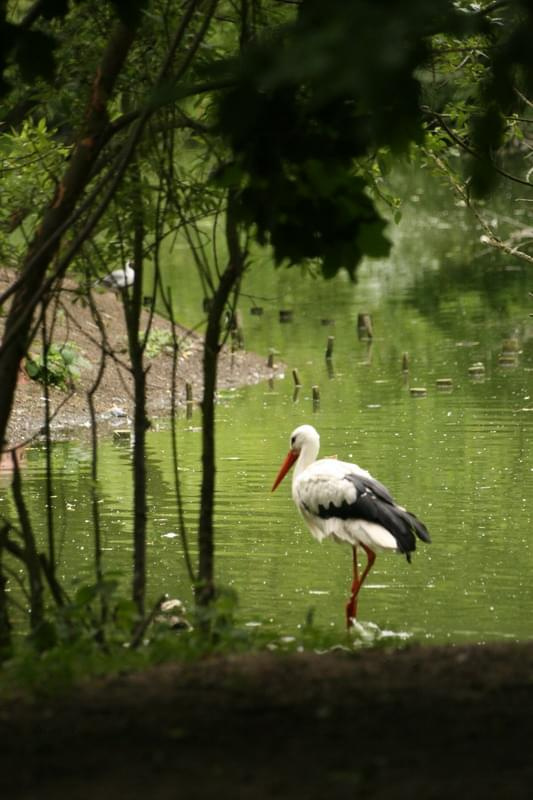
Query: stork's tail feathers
420	529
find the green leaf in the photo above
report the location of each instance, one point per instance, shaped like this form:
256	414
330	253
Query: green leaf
384	162
68	355
86	594
32	368
125	614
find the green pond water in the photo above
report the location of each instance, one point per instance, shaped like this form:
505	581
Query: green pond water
460	459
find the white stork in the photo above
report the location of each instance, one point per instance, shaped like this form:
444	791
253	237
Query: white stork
343	501
120	278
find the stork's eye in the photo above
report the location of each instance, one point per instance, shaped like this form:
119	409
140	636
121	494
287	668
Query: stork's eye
293	439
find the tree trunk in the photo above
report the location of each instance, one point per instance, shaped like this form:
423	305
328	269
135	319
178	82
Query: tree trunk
205	589
133	308
140	425
31	556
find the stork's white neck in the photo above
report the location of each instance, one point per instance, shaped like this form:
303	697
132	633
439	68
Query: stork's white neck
308	454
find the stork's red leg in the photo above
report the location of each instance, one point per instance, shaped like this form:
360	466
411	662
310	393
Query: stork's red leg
371	556
351	606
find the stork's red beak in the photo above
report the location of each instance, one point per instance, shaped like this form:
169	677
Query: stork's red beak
285	467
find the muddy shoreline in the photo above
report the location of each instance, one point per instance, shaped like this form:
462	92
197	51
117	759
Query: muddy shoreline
73	324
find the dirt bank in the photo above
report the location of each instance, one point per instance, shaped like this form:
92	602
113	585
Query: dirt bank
74	323
417	723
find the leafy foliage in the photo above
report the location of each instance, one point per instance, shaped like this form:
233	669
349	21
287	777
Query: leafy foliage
308	106
297	185
315	94
159	340
32	160
60	366
76	645
33	51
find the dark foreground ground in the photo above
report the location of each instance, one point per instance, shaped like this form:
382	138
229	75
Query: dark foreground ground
417	723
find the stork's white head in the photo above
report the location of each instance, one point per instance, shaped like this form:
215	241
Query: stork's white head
305	444
305	436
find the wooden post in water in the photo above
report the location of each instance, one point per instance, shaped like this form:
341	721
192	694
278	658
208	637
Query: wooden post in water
405	362
511	345
508	359
316	398
270	359
296	378
188	400
364	326
329	347
477	370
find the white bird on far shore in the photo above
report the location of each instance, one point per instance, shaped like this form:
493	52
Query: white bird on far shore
120	278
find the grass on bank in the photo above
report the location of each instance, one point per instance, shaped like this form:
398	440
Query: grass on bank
76	646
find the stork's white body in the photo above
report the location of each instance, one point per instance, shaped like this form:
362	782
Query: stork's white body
345	502
325	482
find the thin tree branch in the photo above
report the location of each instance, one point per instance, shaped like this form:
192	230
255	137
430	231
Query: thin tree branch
464	146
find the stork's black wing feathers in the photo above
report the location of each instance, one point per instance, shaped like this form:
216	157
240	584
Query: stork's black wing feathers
374	503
